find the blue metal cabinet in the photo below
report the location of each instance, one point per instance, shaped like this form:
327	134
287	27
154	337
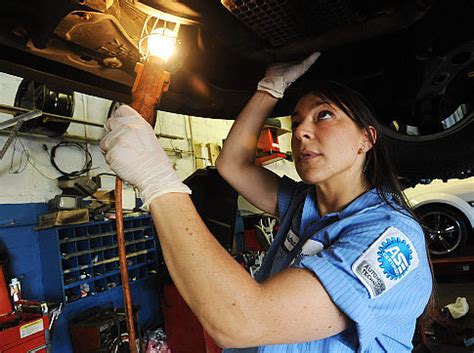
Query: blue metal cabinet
36	258
79	266
79	261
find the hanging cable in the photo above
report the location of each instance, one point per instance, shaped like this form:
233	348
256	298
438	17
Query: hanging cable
29	160
108	174
87	162
23	161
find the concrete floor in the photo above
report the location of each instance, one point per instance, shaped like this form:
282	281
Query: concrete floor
451	287
447	292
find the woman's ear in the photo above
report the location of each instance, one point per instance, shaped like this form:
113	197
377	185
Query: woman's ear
368	141
373	134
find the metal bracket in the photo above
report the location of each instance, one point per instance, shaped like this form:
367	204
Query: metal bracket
17	122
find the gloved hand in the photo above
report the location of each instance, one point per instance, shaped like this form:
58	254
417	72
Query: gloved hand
133	152
279	76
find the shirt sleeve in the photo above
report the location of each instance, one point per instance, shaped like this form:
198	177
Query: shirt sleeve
393	312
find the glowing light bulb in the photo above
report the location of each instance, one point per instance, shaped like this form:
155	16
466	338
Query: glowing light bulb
161	42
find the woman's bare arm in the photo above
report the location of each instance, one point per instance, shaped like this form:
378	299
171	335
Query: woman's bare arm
236	162
292	306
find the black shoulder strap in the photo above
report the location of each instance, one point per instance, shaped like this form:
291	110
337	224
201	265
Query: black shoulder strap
299	196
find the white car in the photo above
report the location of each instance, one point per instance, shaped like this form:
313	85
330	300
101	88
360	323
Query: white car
446	211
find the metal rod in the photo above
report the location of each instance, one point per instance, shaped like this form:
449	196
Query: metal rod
150	83
10	138
7	109
17	123
76	138
70	138
123	267
22	117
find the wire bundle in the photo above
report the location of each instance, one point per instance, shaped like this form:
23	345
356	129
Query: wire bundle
87	162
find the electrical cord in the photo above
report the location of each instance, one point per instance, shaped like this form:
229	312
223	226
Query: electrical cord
29	160
24	157
87	163
108	174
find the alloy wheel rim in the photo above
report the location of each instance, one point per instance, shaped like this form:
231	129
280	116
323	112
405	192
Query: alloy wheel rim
442	232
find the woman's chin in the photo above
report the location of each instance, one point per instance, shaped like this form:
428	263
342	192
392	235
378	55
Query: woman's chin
309	177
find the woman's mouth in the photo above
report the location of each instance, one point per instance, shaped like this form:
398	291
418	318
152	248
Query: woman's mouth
307	155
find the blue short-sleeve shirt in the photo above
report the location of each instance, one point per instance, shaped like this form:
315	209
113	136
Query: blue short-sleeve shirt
370	258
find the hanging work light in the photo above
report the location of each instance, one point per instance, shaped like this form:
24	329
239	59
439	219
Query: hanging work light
159	38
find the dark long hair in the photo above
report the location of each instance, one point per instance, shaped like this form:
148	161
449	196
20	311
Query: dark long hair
378	170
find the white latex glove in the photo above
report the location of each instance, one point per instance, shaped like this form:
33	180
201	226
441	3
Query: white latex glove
459	308
279	76
133	152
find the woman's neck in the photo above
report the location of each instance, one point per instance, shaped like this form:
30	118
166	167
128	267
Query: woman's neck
334	198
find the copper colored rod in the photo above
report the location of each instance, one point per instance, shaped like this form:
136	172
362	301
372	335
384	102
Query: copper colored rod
123	267
150	83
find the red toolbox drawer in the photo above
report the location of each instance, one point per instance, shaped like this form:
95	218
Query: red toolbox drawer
28	336
35	345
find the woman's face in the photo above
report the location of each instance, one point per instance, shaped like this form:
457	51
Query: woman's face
327	145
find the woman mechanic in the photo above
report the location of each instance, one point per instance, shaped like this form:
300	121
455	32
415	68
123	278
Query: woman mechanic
347	271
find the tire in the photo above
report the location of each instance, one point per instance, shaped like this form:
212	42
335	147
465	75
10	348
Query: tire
446	230
444	155
443	113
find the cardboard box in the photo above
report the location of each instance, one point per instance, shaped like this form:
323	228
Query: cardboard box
107	197
63	217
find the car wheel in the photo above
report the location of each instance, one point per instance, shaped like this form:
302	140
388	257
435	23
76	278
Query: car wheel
443	155
432	137
445	229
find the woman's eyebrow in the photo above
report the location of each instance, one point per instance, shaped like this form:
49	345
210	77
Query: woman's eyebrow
314	105
319	103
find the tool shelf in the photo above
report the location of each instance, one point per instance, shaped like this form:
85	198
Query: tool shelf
82	260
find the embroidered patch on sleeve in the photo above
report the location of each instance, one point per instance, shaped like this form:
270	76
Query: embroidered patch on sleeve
391	257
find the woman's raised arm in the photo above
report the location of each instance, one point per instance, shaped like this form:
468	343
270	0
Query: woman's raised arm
236	163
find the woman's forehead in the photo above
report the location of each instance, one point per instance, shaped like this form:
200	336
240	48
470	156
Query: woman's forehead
311	101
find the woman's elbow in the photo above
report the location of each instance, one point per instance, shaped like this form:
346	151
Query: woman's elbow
220	164
239	337
225	166
221	339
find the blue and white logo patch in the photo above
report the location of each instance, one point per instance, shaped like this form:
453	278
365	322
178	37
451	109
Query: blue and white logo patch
395	257
391	257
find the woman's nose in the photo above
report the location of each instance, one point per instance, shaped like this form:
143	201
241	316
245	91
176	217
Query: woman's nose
303	131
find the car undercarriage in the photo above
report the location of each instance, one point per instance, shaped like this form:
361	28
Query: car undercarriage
413	60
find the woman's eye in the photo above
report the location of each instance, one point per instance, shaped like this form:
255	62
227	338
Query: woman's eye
324	115
294	125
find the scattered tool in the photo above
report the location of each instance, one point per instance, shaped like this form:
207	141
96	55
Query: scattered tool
16	122
54	314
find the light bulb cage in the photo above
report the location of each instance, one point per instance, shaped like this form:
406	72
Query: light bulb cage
151	25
